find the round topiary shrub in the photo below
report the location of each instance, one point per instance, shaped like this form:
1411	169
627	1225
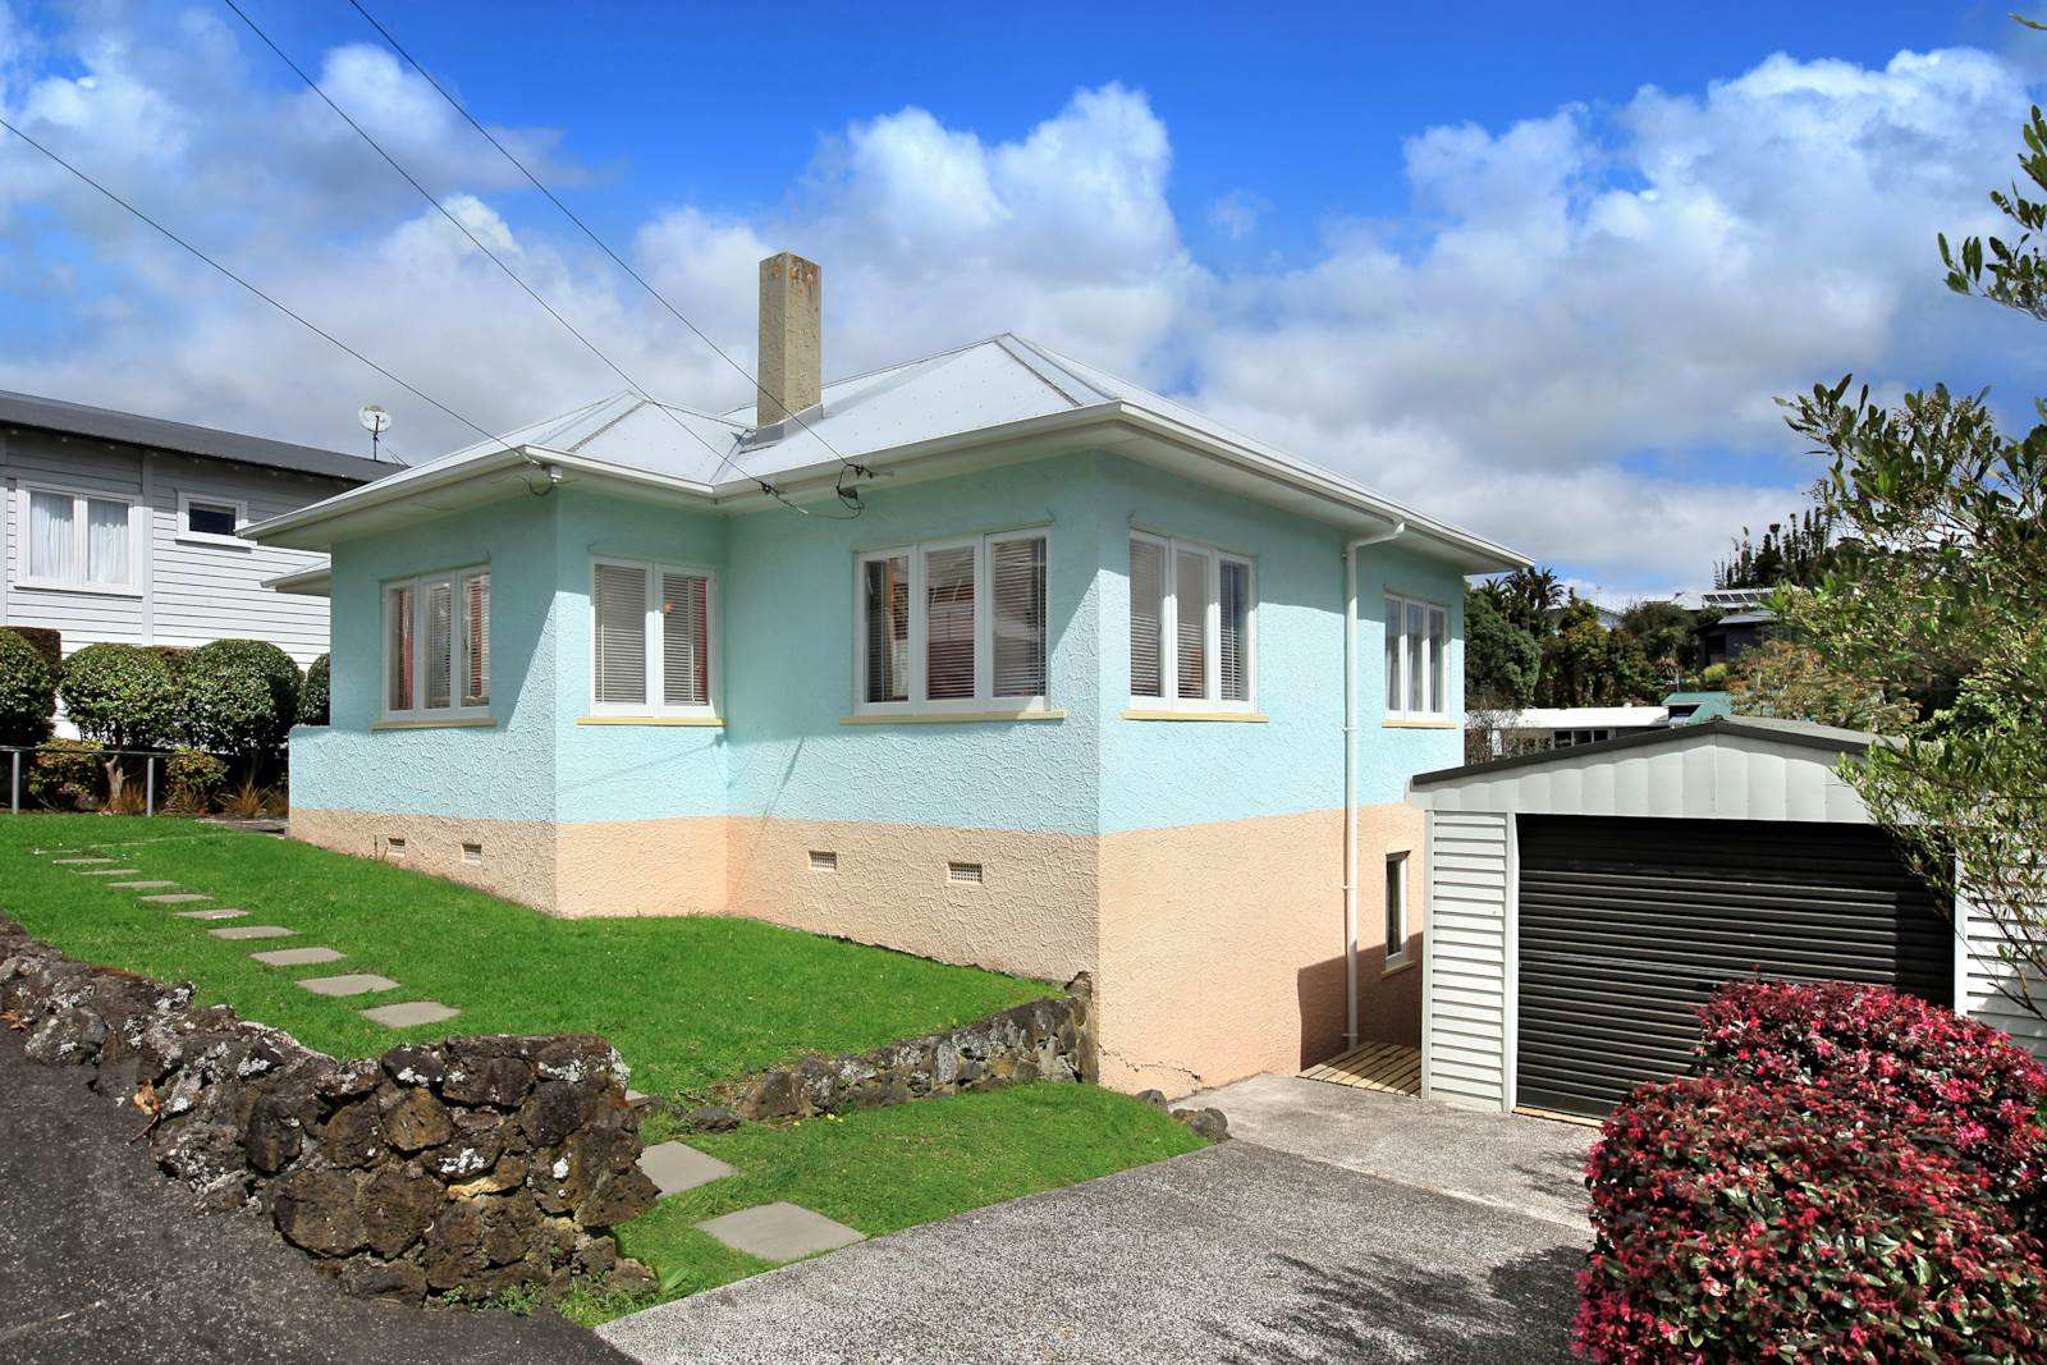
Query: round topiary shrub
313	696
120	695
195	780
237	697
28	692
1953	1082
1740	1221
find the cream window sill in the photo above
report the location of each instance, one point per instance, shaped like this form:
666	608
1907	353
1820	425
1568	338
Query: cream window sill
88	589
208	538
1403	724
451	723
947	717
1238	717
1405	964
700	722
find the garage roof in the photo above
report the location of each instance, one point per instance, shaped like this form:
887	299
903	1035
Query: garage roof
1728	768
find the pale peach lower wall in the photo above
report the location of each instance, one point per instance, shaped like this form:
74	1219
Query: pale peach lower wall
1222	947
643	867
516	858
1033	914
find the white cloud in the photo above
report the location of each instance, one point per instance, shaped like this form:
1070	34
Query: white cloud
1582	321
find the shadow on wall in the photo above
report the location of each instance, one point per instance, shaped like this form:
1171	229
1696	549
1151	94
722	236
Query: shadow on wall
1383	1309
1389	1007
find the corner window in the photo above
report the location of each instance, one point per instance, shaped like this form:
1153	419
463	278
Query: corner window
1417	660
653	628
437	646
1396	909
212	520
1192	625
953	625
77	540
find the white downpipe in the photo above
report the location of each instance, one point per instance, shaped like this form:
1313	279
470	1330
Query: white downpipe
1350	776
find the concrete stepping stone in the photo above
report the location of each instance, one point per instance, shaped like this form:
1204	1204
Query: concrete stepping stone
77	862
109	871
677	1166
140	886
175	898
298	957
223	913
354	983
245	931
780	1232
410	1014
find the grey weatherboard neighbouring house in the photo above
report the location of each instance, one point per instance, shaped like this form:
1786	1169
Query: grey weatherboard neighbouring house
120	527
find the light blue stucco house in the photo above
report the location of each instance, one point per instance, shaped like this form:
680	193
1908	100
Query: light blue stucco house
987	656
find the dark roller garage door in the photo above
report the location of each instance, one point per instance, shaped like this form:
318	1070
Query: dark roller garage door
1627	925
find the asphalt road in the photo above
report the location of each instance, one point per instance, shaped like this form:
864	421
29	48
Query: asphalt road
103	1260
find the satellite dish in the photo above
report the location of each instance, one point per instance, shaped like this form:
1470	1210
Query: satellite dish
376	422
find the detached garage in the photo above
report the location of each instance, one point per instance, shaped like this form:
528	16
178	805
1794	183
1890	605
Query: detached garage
1584	902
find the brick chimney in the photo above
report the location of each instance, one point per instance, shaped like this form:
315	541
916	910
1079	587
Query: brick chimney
792	347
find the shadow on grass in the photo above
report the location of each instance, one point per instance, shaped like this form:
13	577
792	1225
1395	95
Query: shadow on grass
1386	1309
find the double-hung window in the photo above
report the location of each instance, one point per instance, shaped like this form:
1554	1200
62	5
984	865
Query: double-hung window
77	540
952	625
1193	626
653	634
1417	660
437	646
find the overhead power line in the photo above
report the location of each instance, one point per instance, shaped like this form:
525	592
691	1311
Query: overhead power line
312	327
849	466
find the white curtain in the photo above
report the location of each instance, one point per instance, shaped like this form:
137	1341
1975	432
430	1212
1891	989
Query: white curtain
52	542
106	551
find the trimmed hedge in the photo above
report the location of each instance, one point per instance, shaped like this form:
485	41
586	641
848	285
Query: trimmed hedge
28	691
48	643
121	695
1950	1082
67	774
1740	1221
313	696
237	697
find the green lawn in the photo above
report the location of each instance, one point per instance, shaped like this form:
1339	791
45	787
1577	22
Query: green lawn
687	1000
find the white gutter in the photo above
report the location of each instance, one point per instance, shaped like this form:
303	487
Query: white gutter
1350	776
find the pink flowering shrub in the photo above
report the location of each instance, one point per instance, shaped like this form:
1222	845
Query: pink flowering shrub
1737	1220
1933	1075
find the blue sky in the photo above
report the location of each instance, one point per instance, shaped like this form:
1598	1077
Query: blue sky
1539	269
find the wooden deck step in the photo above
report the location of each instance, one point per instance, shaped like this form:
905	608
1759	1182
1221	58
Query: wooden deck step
1388	1067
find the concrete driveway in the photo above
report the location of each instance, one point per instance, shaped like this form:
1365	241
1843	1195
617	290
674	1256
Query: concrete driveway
1342	1225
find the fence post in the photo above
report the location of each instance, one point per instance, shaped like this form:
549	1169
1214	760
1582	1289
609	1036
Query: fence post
149	785
14	783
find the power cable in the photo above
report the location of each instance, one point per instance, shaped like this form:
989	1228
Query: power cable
848	466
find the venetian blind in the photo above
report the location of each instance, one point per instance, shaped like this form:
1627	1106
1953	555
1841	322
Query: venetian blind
949	623
1233	649
1190	601
1147	617
685	640
1018	572
621	609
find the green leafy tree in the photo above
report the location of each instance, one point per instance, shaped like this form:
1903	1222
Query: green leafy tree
238	697
1501	661
1938	592
28	692
1791	681
1667	636
122	696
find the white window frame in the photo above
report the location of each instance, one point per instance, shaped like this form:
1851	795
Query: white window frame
651	572
1440	709
984	699
1403	887
1169	698
189	536
80	532
421	584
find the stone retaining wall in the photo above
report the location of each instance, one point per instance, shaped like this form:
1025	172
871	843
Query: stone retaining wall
468	1167
1046	1040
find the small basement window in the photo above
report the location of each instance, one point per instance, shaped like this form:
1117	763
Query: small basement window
969	873
823	860
472	853
1396	910
395	846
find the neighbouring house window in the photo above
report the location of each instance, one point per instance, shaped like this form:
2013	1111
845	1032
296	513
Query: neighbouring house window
1417	660
651	639
1564	739
954	625
77	540
1192	625
211	520
1396	909
437	646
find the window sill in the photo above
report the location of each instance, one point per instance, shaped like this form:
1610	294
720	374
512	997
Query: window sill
1395	966
206	538
449	723
708	722
88	589
1419	724
1239	717
947	717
